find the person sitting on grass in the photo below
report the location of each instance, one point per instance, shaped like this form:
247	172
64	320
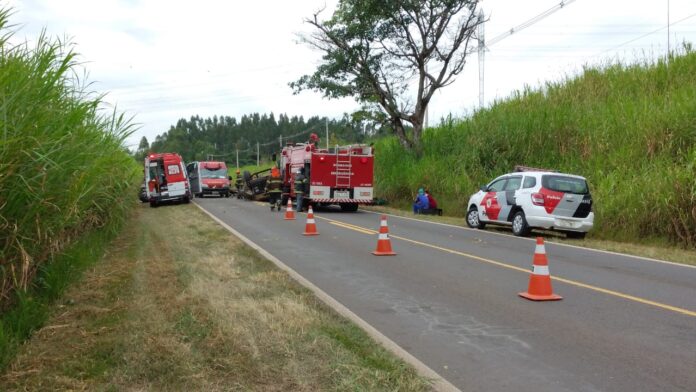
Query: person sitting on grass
421	202
432	203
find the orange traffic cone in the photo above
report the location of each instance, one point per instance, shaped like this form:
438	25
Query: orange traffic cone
383	243
311	226
289	213
540	280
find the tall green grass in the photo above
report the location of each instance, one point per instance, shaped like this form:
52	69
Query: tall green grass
630	129
64	172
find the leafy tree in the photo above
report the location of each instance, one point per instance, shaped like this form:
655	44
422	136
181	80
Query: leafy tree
143	149
377	51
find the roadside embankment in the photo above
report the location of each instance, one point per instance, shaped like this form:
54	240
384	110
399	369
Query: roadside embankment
629	129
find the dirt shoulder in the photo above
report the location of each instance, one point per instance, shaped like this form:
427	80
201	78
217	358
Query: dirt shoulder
180	304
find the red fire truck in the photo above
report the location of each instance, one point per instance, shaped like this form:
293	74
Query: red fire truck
342	175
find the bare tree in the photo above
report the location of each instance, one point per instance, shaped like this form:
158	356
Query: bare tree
391	56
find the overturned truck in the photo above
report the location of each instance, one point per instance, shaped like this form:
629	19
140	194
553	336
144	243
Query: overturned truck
253	185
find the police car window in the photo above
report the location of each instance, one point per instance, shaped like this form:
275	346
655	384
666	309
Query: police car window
565	184
513	183
529	182
497	186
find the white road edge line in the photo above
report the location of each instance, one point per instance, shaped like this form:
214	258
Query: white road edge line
642	258
439	383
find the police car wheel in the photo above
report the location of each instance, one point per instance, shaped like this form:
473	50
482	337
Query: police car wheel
520	227
473	221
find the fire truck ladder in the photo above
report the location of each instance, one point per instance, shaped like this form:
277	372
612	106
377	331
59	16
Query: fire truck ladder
343	168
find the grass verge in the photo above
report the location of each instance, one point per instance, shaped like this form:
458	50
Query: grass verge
656	248
188	306
33	307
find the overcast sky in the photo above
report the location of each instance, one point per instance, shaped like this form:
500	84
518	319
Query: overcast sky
164	60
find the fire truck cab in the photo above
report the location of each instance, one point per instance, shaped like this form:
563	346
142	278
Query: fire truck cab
165	179
342	175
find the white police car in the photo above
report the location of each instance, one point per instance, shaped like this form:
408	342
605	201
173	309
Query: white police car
534	198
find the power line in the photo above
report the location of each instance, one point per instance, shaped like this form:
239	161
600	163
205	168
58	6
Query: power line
644	35
528	23
483	46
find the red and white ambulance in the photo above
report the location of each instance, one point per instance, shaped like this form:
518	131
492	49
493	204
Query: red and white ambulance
209	178
342	175
166	179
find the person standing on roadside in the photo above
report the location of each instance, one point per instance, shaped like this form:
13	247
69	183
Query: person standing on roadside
300	187
238	183
274	188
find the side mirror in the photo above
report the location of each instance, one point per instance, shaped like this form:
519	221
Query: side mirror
484	188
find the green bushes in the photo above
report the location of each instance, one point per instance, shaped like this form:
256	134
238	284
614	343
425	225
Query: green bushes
63	170
630	129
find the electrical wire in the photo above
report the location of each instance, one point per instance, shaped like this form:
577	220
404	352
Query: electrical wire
528	23
644	35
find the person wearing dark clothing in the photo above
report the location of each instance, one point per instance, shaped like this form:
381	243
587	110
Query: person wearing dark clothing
421	203
432	203
300	188
239	184
274	188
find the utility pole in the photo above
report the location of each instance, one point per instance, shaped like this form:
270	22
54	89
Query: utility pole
327	133
481	51
258	157
668	43
427	107
237	158
281	141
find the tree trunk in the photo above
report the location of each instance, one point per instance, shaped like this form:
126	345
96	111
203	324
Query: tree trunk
417	122
400	132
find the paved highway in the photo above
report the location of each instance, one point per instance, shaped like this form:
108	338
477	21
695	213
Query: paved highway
450	299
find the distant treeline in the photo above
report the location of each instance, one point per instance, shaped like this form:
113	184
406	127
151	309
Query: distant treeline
197	138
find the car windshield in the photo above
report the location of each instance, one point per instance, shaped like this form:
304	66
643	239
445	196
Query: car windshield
217	173
565	184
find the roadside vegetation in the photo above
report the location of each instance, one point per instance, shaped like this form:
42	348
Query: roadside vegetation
630	129
190	307
66	181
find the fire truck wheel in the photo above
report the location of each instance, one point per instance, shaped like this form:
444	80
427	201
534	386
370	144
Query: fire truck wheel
349	207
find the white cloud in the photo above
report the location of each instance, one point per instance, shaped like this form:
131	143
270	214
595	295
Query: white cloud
164	60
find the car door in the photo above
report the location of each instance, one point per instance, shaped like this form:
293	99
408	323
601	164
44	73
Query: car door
490	204
195	178
506	197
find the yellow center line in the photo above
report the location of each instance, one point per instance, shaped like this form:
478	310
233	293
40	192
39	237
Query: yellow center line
629	297
351	227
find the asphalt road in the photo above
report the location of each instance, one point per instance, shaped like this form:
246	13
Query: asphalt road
450	299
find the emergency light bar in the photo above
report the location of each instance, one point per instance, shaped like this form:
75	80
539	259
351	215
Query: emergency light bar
520	168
